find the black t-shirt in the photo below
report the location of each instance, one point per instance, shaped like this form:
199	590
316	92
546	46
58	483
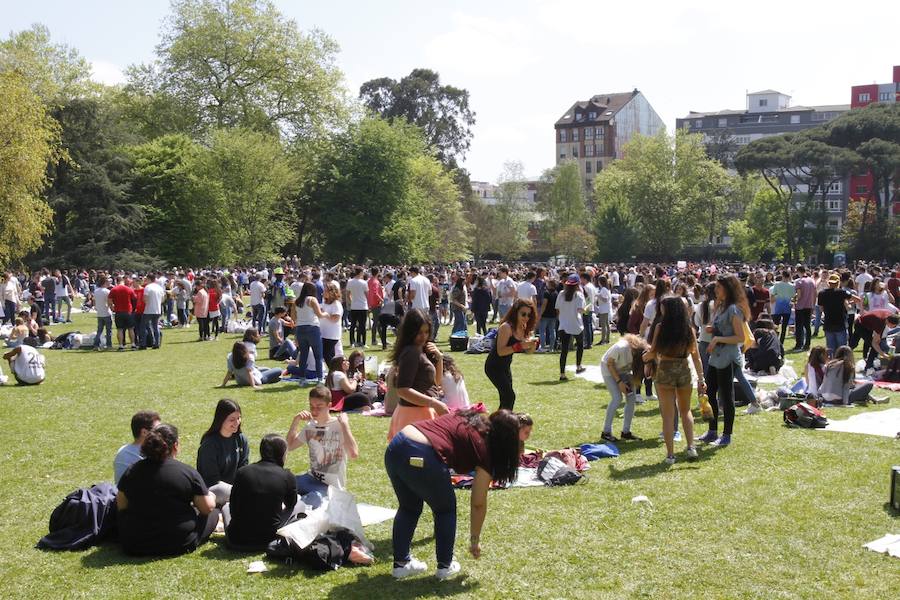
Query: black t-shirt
160	519
219	458
259	491
833	303
550	310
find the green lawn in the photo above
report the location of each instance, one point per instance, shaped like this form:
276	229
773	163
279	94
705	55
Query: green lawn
779	514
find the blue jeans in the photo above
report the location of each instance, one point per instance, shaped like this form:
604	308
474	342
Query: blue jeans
311	490
615	398
415	486
459	320
588	320
310	336
259	318
283	351
547	333
270	375
103	323
49	307
435	323
742	379
148	332
59	302
834	340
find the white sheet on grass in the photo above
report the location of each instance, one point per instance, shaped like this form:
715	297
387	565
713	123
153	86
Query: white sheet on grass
370	514
885	423
889	543
785	376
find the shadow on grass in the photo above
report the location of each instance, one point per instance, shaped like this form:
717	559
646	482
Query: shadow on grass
110	554
643	471
290	387
890	510
367	585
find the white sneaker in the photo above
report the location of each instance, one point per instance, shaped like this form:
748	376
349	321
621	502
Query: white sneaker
638	399
753	409
691	452
413	567
652	397
677	436
670	460
448	571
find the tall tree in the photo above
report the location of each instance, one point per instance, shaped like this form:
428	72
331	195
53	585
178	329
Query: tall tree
241	63
615	231
433	197
760	234
29	140
560	199
441	111
512	212
721	145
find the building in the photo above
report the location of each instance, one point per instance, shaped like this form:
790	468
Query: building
767	113
862	186
595	131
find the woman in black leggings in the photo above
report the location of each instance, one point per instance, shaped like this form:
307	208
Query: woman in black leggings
569	308
514	335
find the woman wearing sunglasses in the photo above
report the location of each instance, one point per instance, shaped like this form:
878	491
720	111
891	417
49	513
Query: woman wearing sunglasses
514	335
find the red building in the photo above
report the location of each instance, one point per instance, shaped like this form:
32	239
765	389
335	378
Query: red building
862	186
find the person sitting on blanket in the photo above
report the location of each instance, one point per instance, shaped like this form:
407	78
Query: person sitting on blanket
815	369
330	443
455	394
346	387
241	366
263	497
142	423
838	384
768	353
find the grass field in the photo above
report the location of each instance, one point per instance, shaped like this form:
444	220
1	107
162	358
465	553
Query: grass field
779	514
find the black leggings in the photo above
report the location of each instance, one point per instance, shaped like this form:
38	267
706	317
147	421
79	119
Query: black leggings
501	376
481	322
215	326
358	327
328	347
720	385
203	327
564	339
385	321
783	320
355	401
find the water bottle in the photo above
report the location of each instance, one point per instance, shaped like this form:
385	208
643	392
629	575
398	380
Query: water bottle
705	408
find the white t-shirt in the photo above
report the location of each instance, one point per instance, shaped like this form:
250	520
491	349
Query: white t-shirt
305	314
257	293
604	299
506	290
153	298
331	330
590	296
620	353
570	319
614	278
61	289
327	461
527	291
29	365
631	278
861	280
422	287
101	295
358	290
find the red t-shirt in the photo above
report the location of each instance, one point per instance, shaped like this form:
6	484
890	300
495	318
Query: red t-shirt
121	297
874	320
139	301
213	300
893	286
456	442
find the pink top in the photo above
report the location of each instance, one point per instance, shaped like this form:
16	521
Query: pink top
201	304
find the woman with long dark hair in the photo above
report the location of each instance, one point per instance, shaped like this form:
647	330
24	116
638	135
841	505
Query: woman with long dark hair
241	366
420	369
731	311
629	297
673	340
164	508
345	387
569	305
308	333
514	335
458	299
223	450
838	380
418	461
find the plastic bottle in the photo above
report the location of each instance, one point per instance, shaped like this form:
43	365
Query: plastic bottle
705	408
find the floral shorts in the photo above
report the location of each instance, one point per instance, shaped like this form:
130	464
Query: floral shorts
673	373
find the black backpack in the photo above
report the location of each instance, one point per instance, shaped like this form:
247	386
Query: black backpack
553	471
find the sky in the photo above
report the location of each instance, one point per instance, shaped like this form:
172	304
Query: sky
526	62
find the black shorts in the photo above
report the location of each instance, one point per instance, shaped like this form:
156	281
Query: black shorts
124	320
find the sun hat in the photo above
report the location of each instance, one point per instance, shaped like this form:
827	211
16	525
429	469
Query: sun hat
834	278
573	279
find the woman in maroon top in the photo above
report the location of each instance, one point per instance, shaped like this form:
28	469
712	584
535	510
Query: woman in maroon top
418	461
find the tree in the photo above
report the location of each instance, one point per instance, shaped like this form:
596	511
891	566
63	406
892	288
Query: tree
575	241
241	63
54	72
882	236
441	111
445	234
29	140
561	200
760	234
615	232
721	146
511	238
486	225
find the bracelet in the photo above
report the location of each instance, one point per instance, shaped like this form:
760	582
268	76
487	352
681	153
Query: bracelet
517	347
474	539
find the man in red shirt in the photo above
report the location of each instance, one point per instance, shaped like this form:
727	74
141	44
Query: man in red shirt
375	298
123	299
893	287
870	327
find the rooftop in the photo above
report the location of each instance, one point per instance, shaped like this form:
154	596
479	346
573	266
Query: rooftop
767	92
604	105
724	113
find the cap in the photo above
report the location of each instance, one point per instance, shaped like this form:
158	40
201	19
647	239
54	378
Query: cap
573	279
278	271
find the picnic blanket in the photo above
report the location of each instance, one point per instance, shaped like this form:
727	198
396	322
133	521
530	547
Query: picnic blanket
884	423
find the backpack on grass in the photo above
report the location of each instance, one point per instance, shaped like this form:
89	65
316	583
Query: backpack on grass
806	416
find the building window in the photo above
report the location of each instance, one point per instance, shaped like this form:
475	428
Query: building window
562	136
884	96
579	117
723	123
588	133
589	149
574	135
588	183
835	188
598	133
795	119
592	115
599	165
862	189
574	151
864	97
824	116
562	156
587	167
833	205
834	223
698	123
763	102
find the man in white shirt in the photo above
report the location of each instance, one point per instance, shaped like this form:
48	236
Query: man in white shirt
614	277
154	294
603	305
590	297
104	313
357	288
419	289
141	424
27	364
631	277
527	290
861	280
506	292
258	303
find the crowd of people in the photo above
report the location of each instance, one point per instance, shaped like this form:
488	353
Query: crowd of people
680	327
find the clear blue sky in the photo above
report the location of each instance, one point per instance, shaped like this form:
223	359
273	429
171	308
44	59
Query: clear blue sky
525	62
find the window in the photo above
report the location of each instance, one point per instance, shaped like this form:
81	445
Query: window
835	188
574	151
562	136
884	96
862	189
598	132
579	117
588	183
589	149
698	123
763	102
592	116
562	156
864	97
834	239
833	205
823	116
795	119
574	135
587	167
834	223
588	133
723	122
599	165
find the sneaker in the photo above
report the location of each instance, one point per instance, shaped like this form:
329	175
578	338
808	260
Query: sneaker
563	378
691	452
412	567
121	349
722	441
448	571
627	435
708	437
753	409
608	437
652	397
677	437
580	369
638	399
670	460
